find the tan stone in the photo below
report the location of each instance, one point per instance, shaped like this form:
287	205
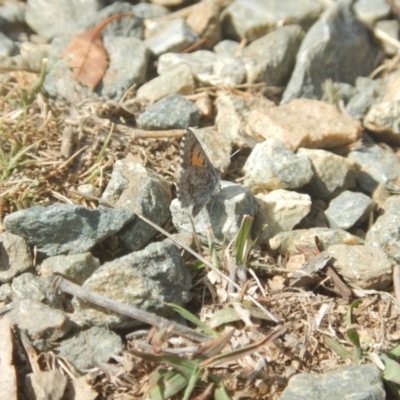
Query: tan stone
305	123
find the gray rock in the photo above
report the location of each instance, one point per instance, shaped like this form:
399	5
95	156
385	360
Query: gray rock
174	35
253	19
378	166
42	322
348	209
332	173
149	11
226	48
316	218
337	47
385	232
61	18
363	267
289	243
5	293
11	16
138	189
223	213
207	67
345	91
76	267
371	11
272	166
232	115
146	279
384	120
389	27
66	228
128	65
358	382
369	91
15	256
94	344
175	80
280	211
32	287
45	385
271	58
131	26
172	112
7	46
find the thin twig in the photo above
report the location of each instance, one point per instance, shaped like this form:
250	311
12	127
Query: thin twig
129	311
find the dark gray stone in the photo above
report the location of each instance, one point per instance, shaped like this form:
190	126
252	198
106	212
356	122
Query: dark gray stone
385	232
171	112
76	267
337	47
371	11
378	166
223	213
66	228
253	19
84	348
272	166
146	279
43	323
12	15
32	287
332	173
131	26
348	209
369	91
129	59
136	188
7	46
15	256
358	382
61	18
174	35
271	58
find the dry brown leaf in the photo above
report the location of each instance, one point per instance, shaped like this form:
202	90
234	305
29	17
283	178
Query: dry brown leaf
87	56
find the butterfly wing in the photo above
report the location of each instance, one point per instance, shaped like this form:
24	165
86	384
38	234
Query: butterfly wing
198	178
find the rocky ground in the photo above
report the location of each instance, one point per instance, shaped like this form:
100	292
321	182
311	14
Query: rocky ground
285	285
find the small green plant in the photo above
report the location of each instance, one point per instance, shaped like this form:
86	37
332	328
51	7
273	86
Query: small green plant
389	363
188	375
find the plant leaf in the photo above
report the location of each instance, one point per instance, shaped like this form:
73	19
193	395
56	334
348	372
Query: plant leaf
348	319
186	367
392	370
168	383
87	56
336	347
220	394
192	318
244	351
215	346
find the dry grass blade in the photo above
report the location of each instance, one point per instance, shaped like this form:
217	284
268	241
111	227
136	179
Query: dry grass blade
244	351
87	55
215	346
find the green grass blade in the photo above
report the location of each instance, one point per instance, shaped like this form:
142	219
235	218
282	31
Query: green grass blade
192	318
337	348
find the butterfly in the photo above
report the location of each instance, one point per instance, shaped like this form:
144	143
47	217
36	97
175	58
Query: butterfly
198	179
